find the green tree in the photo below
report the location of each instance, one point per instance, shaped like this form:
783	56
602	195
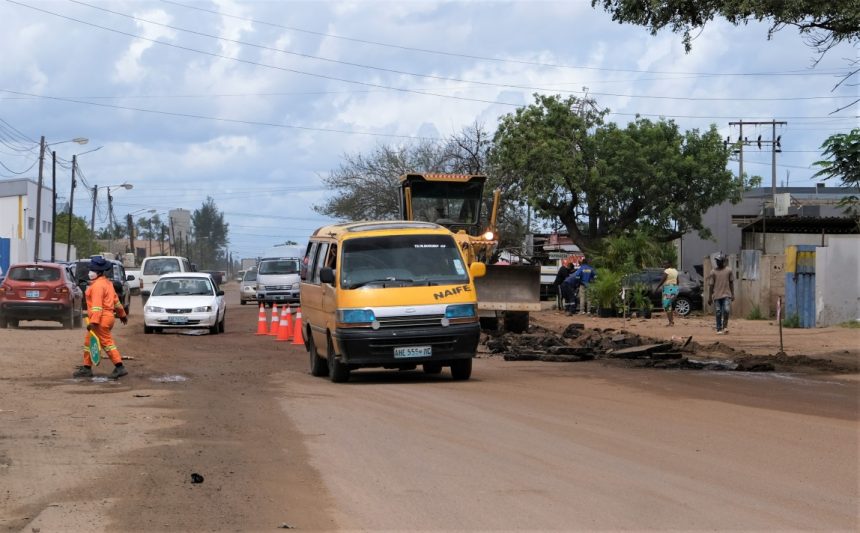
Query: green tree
841	153
210	236
632	252
367	187
823	23
82	238
604	180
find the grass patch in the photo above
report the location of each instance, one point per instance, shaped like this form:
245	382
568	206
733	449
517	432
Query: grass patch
755	314
792	321
852	324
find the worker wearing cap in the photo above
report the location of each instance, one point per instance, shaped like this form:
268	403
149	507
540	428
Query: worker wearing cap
103	306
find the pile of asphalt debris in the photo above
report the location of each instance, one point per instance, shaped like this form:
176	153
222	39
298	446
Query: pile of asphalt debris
579	344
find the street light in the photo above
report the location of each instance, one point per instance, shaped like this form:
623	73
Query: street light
71	203
42	147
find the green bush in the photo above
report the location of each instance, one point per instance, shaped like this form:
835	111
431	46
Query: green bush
606	288
792	321
755	314
853	324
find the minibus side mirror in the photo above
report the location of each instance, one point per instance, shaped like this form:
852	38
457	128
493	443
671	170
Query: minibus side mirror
477	269
327	275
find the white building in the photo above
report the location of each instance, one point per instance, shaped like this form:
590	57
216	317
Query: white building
18	221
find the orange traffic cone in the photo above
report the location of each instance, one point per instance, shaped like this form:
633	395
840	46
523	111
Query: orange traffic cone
261	321
284	327
289	322
297	328
276	321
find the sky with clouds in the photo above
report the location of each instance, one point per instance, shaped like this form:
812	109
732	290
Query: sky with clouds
252	103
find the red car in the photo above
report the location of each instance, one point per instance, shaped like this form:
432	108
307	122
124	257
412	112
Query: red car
40	291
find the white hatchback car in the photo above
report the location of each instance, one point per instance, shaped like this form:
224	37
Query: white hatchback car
189	300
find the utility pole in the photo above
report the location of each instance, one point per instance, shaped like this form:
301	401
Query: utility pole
53	203
128	222
39	197
93	219
110	221
71	209
774	142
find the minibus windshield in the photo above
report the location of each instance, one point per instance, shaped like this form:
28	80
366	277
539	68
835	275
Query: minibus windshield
401	261
281	266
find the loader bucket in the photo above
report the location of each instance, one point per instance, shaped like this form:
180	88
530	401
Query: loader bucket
509	288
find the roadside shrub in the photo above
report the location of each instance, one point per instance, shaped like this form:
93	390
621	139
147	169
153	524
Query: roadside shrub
853	324
755	314
792	321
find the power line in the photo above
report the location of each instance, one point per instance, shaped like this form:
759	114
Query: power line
446	78
219	119
347	132
494	59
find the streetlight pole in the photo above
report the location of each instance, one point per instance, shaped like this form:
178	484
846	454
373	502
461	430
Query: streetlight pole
53	203
72	201
42	148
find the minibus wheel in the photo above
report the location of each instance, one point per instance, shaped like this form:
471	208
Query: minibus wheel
319	367
338	372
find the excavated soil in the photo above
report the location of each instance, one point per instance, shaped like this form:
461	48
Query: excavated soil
571	339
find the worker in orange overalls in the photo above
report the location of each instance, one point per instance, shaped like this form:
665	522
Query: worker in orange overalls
103	306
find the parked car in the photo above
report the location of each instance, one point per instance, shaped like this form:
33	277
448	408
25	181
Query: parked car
117	275
133	277
689	296
154	267
189	300
40	291
248	287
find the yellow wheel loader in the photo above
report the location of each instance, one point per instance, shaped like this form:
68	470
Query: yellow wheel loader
508	291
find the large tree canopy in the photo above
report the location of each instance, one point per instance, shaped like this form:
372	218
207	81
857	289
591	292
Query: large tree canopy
604	180
367	187
842	162
210	235
825	23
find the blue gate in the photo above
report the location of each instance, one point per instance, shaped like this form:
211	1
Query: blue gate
800	284
5	247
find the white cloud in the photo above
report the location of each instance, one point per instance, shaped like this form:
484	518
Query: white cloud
129	68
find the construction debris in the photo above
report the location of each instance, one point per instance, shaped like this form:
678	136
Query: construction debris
576	343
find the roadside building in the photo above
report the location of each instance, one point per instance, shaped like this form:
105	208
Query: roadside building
18	224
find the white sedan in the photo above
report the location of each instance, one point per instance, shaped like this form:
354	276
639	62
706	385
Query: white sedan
189	300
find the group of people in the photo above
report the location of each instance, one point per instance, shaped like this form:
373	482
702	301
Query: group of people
573	285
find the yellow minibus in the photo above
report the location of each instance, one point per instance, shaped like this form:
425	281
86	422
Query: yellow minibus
391	294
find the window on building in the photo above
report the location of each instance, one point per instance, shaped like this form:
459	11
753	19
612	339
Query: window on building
31	223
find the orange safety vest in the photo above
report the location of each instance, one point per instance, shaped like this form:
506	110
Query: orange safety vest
103	303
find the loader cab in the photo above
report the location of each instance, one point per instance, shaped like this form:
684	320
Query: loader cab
450	200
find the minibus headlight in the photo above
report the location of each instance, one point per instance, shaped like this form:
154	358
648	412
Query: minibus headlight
355	316
460	311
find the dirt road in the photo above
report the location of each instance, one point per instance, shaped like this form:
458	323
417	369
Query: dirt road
523	445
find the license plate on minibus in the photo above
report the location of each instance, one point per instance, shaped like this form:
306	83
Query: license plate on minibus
404	352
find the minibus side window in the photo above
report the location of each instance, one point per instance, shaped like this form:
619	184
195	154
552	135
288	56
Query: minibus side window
319	261
331	260
307	262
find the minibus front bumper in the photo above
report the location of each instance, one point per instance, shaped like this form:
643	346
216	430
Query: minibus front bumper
405	346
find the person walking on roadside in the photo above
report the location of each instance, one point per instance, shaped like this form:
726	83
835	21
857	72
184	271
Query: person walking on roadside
585	274
561	275
569	288
669	283
103	306
721	289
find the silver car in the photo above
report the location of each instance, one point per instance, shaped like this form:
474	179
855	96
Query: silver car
248	287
